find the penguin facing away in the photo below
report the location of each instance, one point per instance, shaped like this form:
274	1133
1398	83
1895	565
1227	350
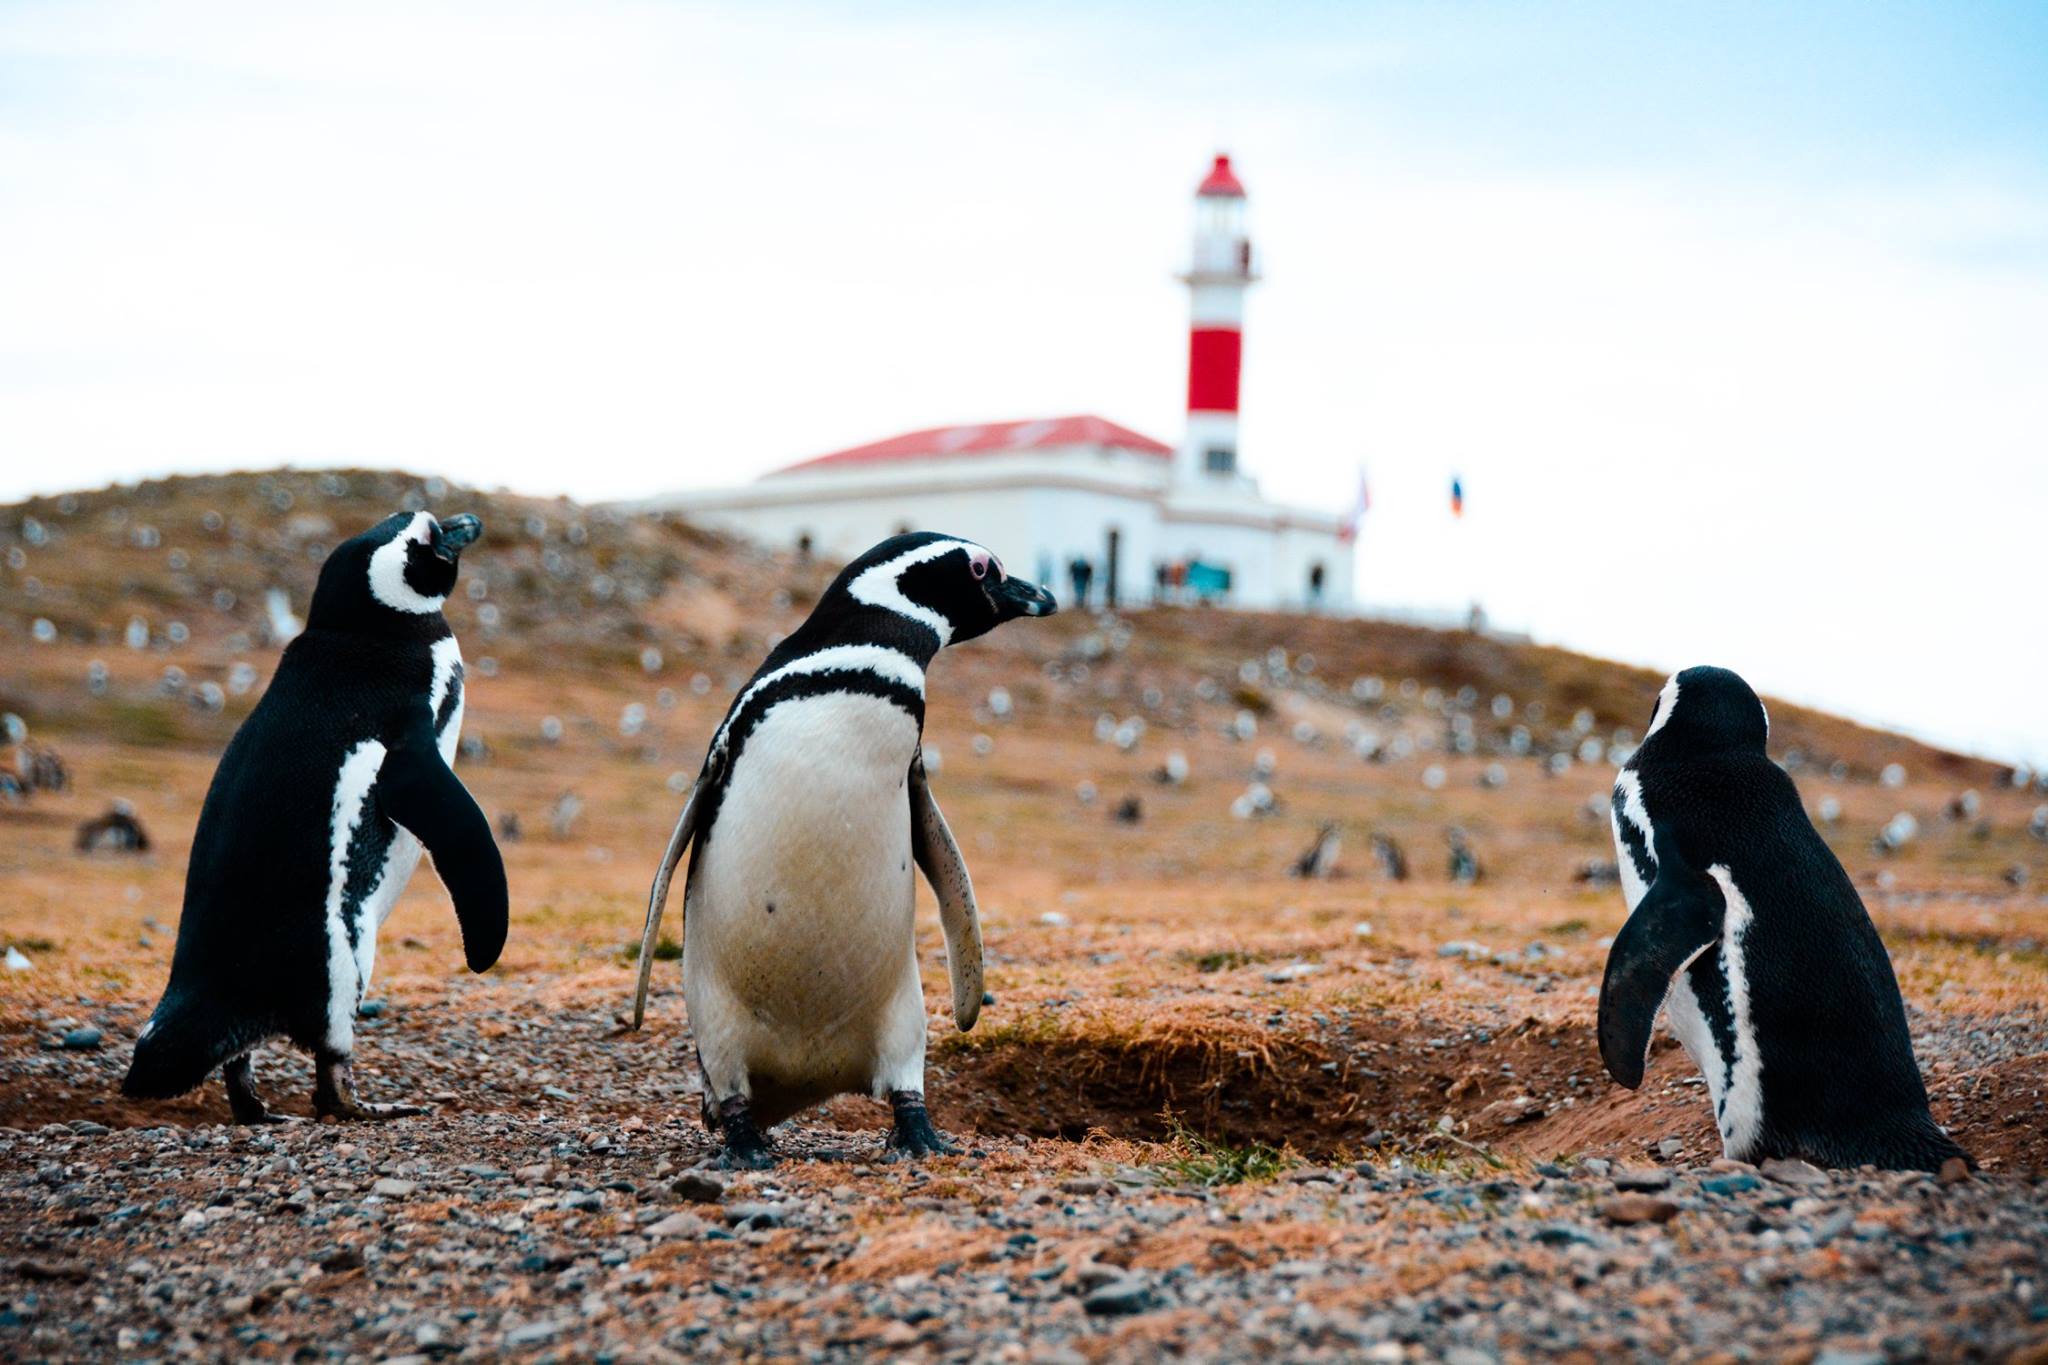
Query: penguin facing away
1747	933
314	823
799	943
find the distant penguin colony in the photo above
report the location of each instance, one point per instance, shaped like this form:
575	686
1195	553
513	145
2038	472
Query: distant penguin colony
1747	933
314	823
799	951
800	970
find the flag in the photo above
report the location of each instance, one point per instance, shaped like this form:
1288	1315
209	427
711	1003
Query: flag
1359	507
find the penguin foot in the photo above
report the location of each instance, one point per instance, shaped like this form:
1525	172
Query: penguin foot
912	1135
745	1149
248	1106
334	1096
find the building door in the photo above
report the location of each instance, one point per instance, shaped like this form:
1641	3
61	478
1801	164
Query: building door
1109	568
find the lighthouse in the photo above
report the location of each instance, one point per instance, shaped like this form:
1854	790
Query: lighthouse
1217	276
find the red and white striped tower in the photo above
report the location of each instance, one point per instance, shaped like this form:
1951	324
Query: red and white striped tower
1216	280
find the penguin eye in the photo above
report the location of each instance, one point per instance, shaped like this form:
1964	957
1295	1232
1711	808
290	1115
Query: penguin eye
978	562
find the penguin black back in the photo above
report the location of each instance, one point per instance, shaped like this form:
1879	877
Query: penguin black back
317	813
1778	982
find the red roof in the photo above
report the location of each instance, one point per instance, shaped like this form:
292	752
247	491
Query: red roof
994	438
1222	182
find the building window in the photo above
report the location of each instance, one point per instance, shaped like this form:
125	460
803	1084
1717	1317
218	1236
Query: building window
1220	459
1315	583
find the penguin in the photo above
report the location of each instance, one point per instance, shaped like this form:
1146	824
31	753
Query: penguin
314	823
1746	932
799	947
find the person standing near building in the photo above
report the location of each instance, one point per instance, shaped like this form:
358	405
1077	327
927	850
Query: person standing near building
1082	573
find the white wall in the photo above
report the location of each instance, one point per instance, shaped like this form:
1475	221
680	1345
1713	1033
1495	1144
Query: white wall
1038	512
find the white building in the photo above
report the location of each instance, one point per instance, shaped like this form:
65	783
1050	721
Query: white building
1053	495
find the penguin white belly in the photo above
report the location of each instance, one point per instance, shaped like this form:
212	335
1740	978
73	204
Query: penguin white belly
350	965
799	960
1689	1026
1738	1115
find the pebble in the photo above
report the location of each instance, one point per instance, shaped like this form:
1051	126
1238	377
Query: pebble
1629	1209
695	1187
679	1224
1741	1182
755	1215
82	1039
1793	1171
1642	1181
1120	1297
390	1188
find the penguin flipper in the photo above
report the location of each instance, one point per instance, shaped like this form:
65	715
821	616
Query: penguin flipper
657	898
422	793
938	857
1677	919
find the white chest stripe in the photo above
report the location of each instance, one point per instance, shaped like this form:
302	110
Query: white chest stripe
880	660
351	791
1743	1116
1667	702
1631	788
387	570
877	587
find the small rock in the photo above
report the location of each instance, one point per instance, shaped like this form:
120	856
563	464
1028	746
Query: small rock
1649	1181
1630	1209
532	1333
755	1215
82	1039
1563	1234
1954	1171
695	1187
1082	1184
1122	1296
1670	1149
679	1224
390	1188
1740	1182
1294	971
1793	1171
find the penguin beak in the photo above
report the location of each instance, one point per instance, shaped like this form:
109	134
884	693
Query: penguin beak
452	535
1014	597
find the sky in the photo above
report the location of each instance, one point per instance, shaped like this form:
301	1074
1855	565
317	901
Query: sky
1733	319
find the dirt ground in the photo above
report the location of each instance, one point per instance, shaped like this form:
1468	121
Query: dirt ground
1213	1111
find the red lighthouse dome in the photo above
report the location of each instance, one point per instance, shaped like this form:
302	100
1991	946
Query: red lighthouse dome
1221	182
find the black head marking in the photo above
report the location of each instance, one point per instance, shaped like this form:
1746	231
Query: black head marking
953	588
1708	710
393	576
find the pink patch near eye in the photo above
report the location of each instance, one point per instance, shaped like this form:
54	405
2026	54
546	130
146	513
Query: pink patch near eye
978	561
